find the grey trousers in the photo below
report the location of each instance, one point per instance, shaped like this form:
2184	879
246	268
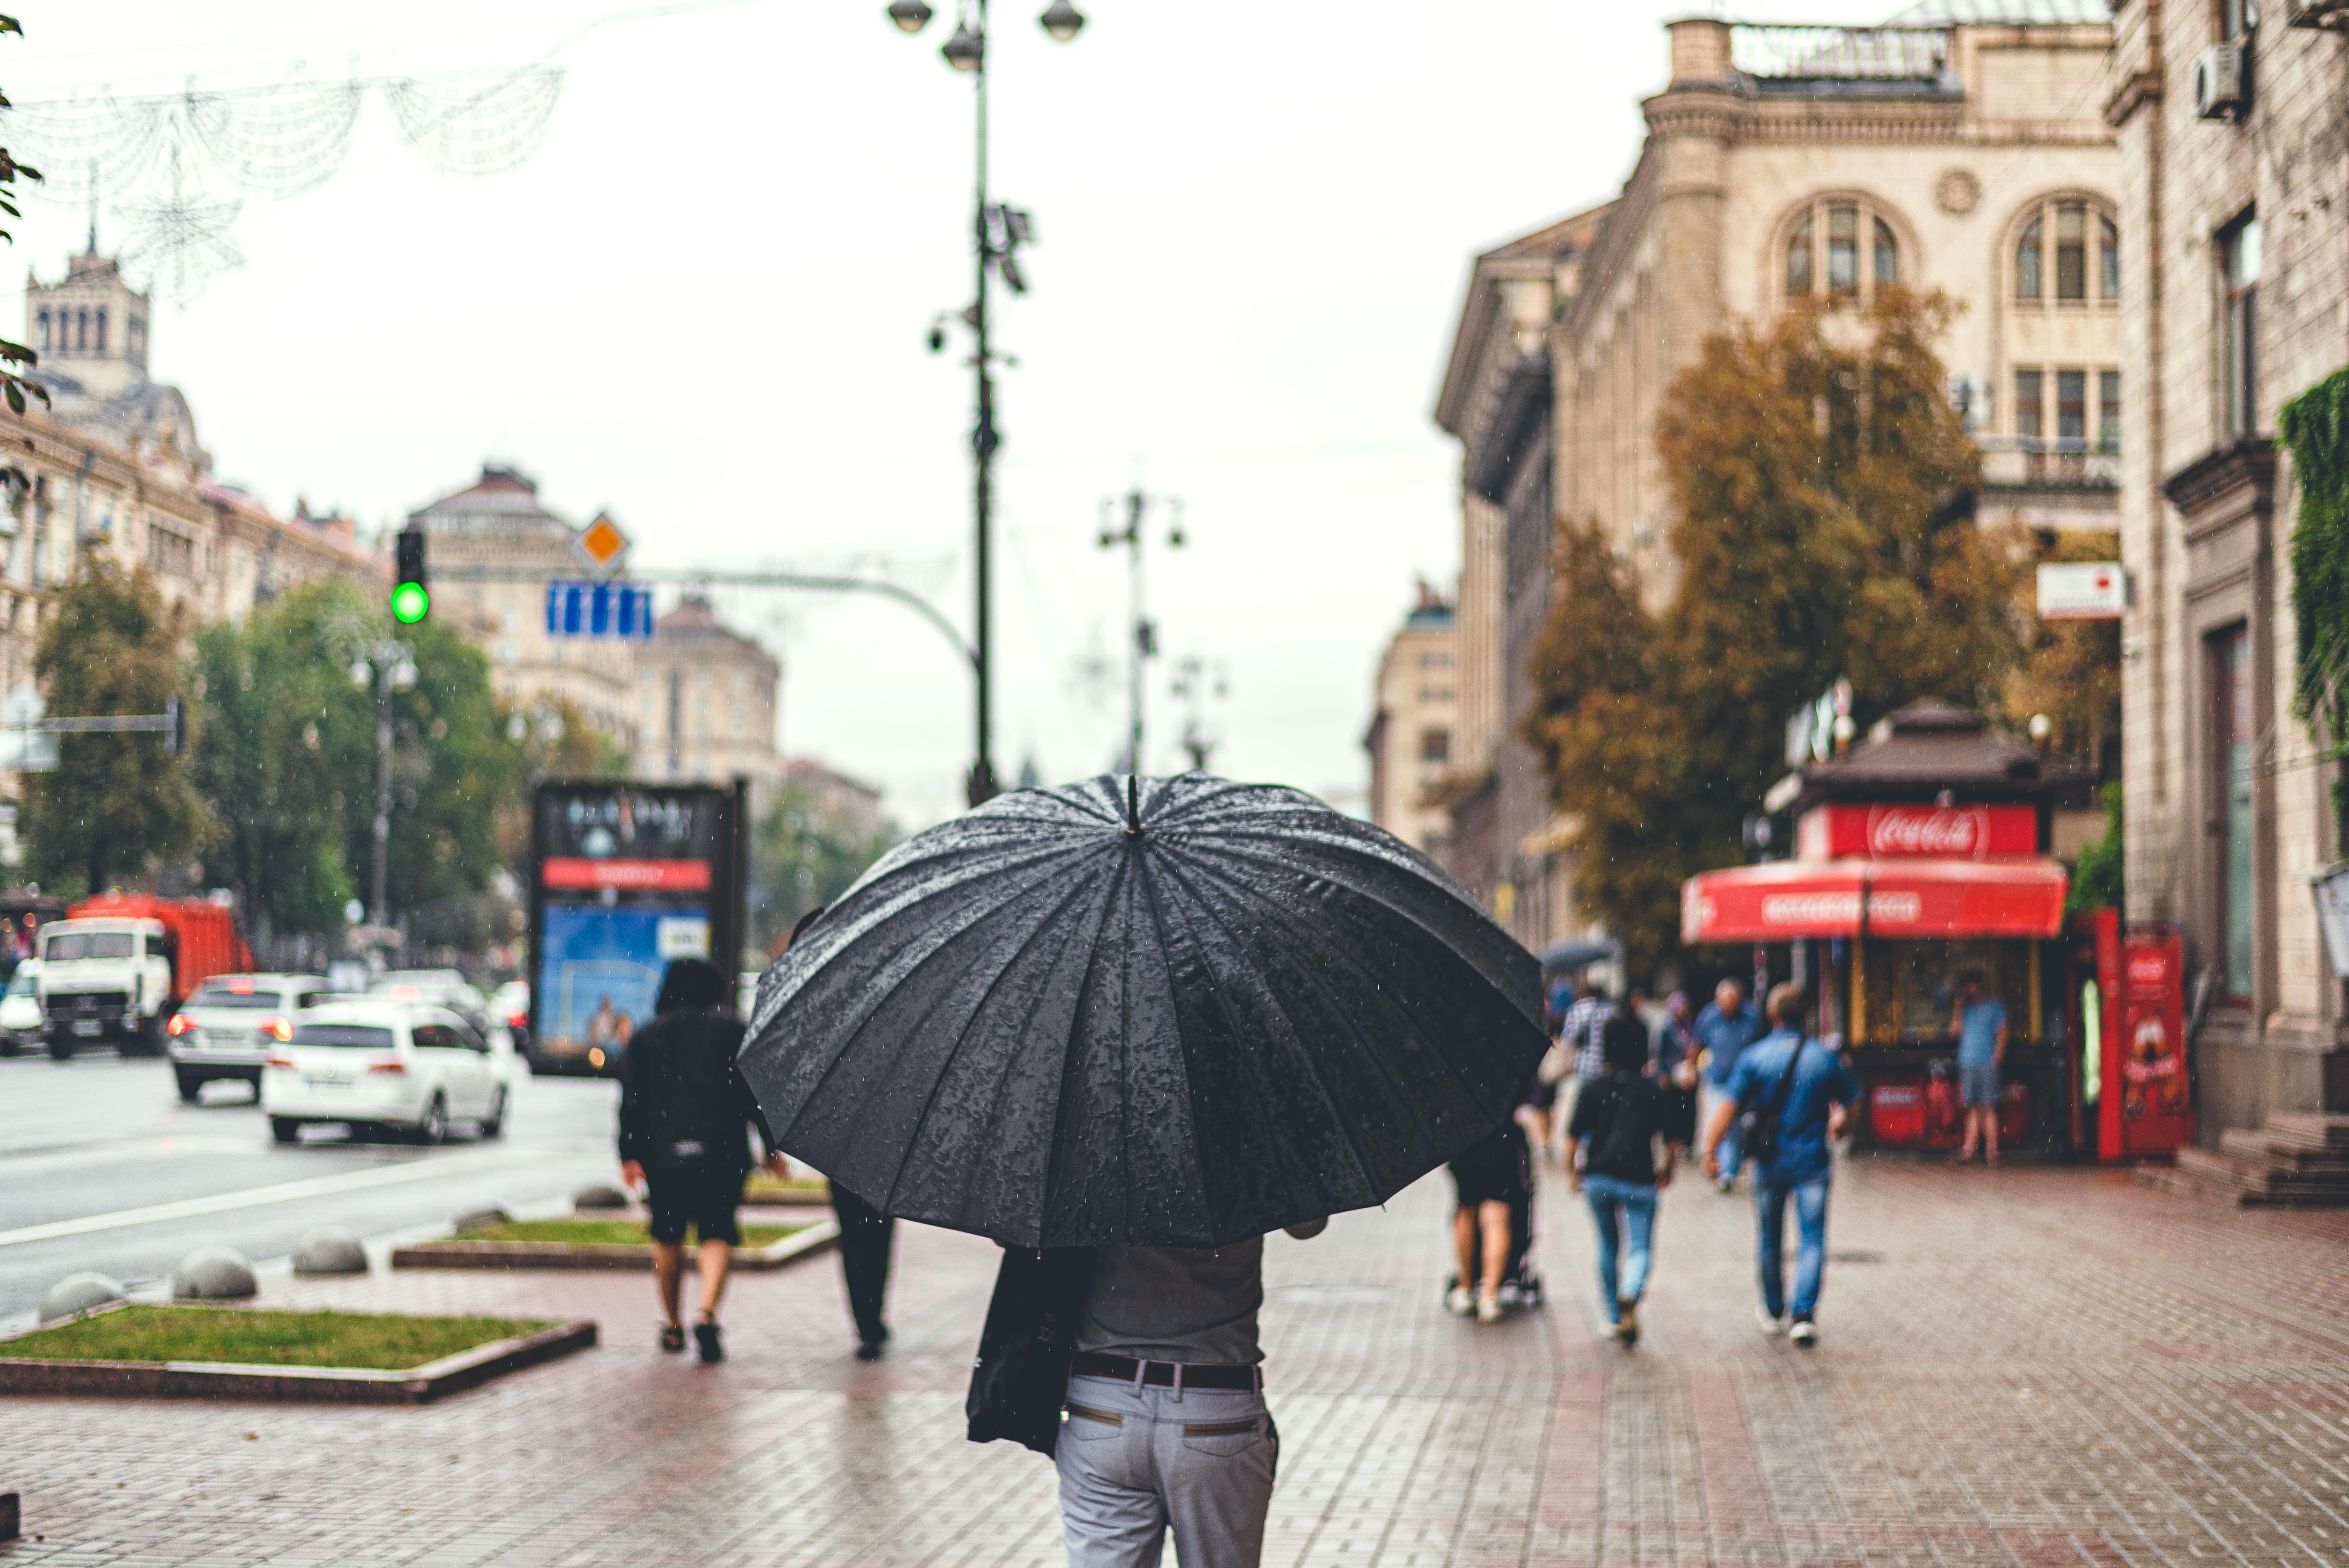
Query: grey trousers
1136	1463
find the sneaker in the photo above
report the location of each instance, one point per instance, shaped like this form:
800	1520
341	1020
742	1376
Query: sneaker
1724	1184
1461	1301
1627	1317
1767	1324
1805	1332
705	1336
1488	1309
868	1350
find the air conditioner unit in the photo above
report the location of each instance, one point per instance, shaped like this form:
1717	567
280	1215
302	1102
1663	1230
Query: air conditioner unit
2220	90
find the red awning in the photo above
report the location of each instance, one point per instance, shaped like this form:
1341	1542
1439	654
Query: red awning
572	872
1900	898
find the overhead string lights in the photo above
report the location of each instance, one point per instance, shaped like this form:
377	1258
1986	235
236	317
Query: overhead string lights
176	167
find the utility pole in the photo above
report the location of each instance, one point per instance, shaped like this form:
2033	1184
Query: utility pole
1144	643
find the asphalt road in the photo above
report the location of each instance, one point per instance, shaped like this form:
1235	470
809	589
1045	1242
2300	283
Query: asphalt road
90	1148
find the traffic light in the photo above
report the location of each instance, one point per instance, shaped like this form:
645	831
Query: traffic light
411	590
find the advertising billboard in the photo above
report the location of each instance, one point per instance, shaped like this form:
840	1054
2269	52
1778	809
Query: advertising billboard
625	877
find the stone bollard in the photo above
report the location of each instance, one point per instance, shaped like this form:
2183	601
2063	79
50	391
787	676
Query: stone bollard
599	1195
79	1292
213	1274
330	1250
481	1220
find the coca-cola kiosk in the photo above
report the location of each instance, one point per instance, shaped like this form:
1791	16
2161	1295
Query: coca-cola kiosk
1920	858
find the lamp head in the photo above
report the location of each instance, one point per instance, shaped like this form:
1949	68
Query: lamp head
965	49
911	15
1061	20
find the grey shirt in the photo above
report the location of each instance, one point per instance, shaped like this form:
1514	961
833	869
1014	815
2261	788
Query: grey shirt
1194	1304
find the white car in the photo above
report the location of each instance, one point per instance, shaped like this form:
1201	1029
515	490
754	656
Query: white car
228	1027
373	1065
21	1021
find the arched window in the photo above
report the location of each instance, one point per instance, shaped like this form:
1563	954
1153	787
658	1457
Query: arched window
2052	263
1839	247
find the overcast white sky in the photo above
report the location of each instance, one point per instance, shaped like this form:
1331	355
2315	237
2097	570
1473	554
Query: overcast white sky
702	305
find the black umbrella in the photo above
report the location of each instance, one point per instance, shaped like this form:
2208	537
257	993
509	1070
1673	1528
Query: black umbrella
1179	1015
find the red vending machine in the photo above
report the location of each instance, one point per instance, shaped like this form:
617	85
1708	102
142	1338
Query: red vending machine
2147	1108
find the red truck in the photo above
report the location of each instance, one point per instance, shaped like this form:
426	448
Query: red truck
119	964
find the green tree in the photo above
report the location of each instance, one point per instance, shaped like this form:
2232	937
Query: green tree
282	734
114	801
14	387
803	856
1822	486
452	768
2315	426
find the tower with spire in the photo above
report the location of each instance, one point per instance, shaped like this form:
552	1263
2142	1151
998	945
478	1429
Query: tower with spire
89	329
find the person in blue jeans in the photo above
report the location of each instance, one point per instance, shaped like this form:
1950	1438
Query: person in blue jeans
1981	1027
1804	1090
1618	1119
1727	1026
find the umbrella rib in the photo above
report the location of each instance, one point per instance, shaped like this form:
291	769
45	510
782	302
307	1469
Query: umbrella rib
930	1103
1070	1046
1234	851
848	1040
1158	914
1337	1115
1346	959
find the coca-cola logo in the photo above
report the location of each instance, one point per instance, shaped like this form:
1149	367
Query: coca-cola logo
2147	969
1961	832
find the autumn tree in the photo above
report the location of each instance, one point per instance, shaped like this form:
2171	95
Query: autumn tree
114	801
1822	487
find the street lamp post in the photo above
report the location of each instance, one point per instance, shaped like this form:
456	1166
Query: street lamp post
1144	643
393	669
999	232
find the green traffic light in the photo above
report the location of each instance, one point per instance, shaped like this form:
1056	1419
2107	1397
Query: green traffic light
411	602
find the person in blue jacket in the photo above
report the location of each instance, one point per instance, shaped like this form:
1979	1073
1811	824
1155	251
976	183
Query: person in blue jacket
1727	1026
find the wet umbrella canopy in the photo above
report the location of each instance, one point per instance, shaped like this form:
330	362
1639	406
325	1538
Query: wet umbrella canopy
1178	1013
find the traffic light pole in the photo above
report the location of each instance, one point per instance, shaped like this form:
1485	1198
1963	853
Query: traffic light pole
388	656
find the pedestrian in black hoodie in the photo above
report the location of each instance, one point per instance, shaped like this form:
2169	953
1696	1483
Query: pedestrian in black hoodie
686	1117
1629	1131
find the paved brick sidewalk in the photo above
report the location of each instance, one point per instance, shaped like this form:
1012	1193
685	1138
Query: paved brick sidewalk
2023	1369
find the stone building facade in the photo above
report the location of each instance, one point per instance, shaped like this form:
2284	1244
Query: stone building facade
1411	734
2239	207
1958	147
493	548
112	466
705	702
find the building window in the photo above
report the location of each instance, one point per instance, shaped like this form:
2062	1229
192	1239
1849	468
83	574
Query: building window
2108	411
2029	388
2239	266
41	333
1435	745
1799	259
2109	253
100	344
2026	261
2230	783
2237	17
2070	405
1841	250
81	330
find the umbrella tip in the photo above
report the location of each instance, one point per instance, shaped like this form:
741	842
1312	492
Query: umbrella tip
1133	802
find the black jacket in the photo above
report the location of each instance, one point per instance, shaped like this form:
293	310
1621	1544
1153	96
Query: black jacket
1617	1117
682	1097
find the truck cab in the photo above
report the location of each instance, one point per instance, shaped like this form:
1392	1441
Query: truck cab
106	978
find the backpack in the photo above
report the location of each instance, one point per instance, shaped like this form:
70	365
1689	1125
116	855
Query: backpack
1757	1128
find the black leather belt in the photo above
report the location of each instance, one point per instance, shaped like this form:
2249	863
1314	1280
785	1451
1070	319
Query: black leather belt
1168	1373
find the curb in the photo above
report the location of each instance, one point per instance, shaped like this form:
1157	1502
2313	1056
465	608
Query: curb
787	1197
464	1254
330	1385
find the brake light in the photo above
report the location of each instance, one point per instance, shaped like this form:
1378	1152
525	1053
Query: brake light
281	1060
388	1065
596	1057
179	1025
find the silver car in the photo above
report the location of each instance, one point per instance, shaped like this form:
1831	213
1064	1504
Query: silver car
228	1027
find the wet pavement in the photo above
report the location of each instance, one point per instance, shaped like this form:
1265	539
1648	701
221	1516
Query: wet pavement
2022	1368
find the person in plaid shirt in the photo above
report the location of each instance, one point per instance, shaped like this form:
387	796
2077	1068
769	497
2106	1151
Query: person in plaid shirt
1582	1031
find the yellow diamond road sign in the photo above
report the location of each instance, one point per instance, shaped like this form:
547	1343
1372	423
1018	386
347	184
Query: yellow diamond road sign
603	541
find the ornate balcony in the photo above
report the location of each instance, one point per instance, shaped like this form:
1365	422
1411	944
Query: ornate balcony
2028	462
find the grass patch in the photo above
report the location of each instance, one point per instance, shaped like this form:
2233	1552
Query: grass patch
796	1184
378	1341
606	1233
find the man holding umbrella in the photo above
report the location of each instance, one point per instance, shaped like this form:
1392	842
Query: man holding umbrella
1127	1028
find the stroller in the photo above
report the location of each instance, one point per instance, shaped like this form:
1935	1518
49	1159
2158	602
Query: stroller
1521	1284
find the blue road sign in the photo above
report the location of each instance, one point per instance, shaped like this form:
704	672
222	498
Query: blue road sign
599	610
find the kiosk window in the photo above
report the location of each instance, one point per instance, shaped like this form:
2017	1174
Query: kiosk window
1927	984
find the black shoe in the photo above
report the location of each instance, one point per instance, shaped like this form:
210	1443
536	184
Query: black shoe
705	1335
868	1350
672	1339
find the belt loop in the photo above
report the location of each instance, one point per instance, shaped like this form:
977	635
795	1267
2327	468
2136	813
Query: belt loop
1141	1370
1178	1382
